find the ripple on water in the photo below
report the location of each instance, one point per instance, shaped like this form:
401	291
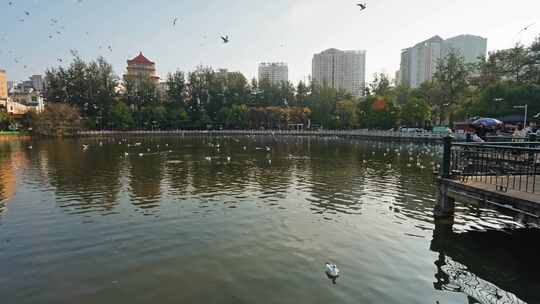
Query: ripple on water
174	226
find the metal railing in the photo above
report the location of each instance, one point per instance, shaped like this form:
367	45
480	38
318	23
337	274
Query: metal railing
507	165
346	133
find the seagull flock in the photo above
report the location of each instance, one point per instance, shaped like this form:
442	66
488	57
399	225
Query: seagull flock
57	29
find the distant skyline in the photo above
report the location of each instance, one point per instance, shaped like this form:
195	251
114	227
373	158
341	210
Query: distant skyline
259	31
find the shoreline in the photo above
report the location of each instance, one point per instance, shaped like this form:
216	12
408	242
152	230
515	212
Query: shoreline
7	136
359	134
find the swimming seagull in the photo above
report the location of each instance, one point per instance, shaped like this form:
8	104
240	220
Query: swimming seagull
332	272
174	21
27	13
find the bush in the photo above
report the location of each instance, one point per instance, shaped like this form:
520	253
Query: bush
57	120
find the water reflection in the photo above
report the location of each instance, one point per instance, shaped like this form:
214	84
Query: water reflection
489	267
362	204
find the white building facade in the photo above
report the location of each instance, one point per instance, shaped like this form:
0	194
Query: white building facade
342	70
419	63
275	72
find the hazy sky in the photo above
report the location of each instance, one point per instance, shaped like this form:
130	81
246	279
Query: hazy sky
260	31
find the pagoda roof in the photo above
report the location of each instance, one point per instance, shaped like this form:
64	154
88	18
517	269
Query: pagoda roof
140	59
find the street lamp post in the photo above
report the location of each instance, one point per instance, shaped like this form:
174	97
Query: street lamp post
525	117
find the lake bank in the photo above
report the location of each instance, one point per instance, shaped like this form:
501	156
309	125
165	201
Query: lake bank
358	134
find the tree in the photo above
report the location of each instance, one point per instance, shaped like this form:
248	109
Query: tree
415	113
377	113
346	114
58	120
121	116
88	86
176	87
451	81
5	120
302	92
380	86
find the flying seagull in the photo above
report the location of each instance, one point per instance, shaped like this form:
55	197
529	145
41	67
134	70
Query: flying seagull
526	28
225	39
174	21
362	6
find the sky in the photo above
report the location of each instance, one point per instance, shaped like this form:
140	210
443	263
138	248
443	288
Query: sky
289	31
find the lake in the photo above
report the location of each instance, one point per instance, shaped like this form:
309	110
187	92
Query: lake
247	220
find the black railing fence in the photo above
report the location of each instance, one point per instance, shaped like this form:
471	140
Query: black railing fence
507	165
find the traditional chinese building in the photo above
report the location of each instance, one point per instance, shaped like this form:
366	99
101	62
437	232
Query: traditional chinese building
141	67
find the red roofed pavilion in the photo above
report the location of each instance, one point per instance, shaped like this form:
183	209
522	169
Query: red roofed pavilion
141	66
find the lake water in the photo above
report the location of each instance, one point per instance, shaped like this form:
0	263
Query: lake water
174	220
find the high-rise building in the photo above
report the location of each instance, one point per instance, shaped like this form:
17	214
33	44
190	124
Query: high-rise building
275	72
470	47
37	82
140	67
3	85
419	63
342	70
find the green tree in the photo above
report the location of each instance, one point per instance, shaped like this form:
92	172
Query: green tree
121	116
302	92
176	88
380	86
5	120
415	113
88	86
346	114
451	81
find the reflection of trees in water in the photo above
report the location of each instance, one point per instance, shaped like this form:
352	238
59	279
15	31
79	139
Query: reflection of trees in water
489	267
337	177
83	180
145	175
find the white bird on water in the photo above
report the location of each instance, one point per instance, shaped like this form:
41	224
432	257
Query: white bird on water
208	158
228	158
332	271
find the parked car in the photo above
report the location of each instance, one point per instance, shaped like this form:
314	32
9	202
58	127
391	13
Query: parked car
442	130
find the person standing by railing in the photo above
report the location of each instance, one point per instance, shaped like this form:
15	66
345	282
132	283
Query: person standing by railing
519	134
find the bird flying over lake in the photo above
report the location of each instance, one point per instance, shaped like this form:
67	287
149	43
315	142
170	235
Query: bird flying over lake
174	21
362	6
225	39
526	28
